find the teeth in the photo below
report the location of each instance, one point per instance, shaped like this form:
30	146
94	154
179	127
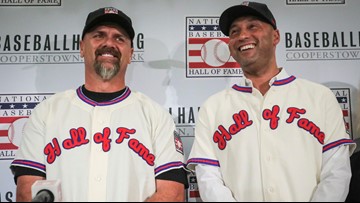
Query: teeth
246	47
107	55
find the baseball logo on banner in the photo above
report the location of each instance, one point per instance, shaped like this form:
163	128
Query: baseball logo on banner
16	130
207	52
215	52
343	97
178	143
14	113
193	191
10	133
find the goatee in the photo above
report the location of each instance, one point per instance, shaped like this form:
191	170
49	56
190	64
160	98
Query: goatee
106	72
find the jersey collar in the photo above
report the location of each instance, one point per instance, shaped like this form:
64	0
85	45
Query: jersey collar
91	102
282	78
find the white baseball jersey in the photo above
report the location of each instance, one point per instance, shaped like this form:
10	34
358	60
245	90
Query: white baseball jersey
108	151
269	148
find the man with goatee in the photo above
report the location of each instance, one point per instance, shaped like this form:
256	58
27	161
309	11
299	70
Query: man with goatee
103	141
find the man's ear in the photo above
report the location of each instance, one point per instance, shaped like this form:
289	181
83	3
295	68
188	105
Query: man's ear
276	37
81	49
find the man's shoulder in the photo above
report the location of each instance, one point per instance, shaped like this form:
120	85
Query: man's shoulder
62	94
142	96
58	96
312	85
144	99
309	82
219	96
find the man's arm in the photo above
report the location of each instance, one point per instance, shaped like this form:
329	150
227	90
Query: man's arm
211	185
168	191
335	176
23	188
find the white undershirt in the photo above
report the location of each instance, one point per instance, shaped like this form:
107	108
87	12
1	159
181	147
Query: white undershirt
333	186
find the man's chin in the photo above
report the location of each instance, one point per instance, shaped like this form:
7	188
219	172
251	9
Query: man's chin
107	76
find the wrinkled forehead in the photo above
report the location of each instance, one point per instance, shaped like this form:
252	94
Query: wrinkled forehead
109	25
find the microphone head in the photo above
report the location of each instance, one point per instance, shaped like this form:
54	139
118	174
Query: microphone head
46	191
44	196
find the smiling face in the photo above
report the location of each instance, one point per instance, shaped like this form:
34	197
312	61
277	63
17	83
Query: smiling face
107	51
252	43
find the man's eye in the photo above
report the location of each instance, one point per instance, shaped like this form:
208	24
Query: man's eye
233	32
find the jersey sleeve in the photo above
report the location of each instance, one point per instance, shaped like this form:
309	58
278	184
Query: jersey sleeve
177	175
335	130
202	151
167	143
30	153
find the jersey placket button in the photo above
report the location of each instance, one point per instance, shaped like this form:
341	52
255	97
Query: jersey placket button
268	158
98	179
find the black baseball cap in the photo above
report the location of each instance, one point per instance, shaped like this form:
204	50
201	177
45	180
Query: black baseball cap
108	15
247	8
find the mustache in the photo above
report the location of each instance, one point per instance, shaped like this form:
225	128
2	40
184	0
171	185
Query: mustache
108	50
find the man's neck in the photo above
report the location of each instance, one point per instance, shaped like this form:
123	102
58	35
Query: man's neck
101	96
96	85
261	80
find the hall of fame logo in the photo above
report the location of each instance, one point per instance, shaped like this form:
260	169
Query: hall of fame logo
307	2
193	194
178	143
30	2
207	52
343	97
15	110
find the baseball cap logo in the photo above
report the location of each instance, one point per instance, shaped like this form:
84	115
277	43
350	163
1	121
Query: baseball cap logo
245	3
111	11
108	15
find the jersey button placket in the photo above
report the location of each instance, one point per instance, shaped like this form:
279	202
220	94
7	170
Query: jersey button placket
268	147
98	179
268	158
99	158
271	193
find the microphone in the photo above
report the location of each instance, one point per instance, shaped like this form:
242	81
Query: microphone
46	191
